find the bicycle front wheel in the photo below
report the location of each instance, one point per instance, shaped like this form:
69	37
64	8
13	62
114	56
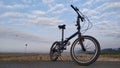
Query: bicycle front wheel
89	54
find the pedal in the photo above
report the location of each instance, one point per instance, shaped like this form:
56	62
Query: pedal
63	48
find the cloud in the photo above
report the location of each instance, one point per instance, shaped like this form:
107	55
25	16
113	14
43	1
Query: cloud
112	5
105	18
104	11
38	12
59	11
31	3
54	7
74	1
45	21
104	15
33	17
1	22
30	18
13	6
28	1
90	12
57	8
89	2
8	33
108	28
47	1
12	14
108	5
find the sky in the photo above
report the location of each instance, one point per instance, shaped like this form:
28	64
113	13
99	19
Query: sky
34	22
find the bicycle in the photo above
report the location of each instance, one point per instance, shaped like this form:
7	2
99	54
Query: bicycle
84	50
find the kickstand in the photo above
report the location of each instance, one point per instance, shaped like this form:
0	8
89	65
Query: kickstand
61	58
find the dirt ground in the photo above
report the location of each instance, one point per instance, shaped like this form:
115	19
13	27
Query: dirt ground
45	57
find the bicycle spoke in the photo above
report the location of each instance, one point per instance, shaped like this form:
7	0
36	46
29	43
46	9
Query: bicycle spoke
88	56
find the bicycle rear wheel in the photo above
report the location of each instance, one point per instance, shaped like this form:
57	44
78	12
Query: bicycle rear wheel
54	51
87	56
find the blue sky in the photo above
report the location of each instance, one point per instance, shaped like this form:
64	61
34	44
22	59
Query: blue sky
34	22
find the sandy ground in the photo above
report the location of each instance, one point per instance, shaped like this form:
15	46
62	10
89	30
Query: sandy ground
45	57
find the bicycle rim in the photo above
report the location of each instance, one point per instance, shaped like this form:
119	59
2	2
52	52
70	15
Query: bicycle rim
54	52
88	56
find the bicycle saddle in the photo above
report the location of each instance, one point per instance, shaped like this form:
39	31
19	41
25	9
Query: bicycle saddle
62	26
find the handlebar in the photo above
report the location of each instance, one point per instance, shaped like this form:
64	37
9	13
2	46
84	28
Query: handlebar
74	8
77	11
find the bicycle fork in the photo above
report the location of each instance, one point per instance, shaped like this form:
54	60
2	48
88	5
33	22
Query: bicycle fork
81	43
81	40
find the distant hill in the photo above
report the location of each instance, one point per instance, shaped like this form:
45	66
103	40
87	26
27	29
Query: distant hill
110	50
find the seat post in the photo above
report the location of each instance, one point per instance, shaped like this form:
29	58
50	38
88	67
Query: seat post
62	27
62	35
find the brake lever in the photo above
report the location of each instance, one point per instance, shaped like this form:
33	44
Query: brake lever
82	19
76	8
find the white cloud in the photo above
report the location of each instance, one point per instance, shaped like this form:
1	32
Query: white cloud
8	33
57	8
38	12
47	1
88	2
30	18
1	22
11	14
103	12
45	21
74	1
28	1
112	5
108	28
90	12
108	5
18	15
54	7
104	15
59	11
32	3
14	6
105	20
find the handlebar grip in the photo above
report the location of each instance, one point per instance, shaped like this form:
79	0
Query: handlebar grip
76	10
73	7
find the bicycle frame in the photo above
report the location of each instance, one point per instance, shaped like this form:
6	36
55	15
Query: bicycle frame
64	42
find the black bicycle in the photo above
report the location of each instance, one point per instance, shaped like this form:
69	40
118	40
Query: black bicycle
84	50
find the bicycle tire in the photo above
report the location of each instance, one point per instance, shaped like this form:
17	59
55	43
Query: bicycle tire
52	51
91	60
